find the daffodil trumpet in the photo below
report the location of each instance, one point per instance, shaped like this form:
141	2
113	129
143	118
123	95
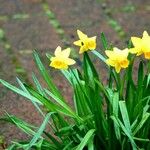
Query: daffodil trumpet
117	58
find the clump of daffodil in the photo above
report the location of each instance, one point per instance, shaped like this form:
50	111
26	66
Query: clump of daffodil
141	45
61	59
117	58
86	43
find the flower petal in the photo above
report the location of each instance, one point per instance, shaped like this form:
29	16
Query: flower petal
81	35
92	43
78	43
117	68
117	50
137	42
133	50
145	34
125	52
65	53
110	62
70	61
83	49
57	51
110	54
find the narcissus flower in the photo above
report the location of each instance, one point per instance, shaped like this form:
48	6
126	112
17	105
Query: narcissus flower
141	45
61	59
86	43
117	58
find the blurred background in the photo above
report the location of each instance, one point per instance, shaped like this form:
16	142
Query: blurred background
26	25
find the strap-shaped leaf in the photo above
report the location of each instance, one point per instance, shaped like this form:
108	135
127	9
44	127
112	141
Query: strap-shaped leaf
89	135
46	76
38	134
104	41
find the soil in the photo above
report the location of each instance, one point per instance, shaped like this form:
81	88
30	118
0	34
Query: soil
27	27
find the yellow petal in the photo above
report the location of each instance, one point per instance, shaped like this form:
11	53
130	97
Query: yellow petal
65	53
110	62
83	49
70	61
133	50
81	35
92	43
145	34
137	42
116	50
125	52
139	53
110	54
117	68
57	51
78	43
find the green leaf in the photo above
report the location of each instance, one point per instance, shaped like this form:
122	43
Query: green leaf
51	137
141	139
81	100
25	90
91	144
25	127
141	123
20	92
104	41
124	115
63	104
38	85
148	80
140	81
115	113
38	134
46	76
90	72
89	135
47	103
66	73
127	133
101	57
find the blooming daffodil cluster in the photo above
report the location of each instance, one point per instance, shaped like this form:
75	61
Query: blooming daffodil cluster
61	59
141	45
117	58
86	43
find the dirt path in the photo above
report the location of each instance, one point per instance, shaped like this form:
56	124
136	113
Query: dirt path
43	25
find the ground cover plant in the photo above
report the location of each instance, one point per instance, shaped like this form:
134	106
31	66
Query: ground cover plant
108	116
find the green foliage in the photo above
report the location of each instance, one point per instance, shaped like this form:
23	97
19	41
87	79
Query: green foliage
109	117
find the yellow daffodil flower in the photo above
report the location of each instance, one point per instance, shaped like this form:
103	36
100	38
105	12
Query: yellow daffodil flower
117	58
86	43
61	59
141	45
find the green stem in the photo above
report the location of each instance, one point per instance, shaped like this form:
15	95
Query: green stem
119	83
122	84
148	67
